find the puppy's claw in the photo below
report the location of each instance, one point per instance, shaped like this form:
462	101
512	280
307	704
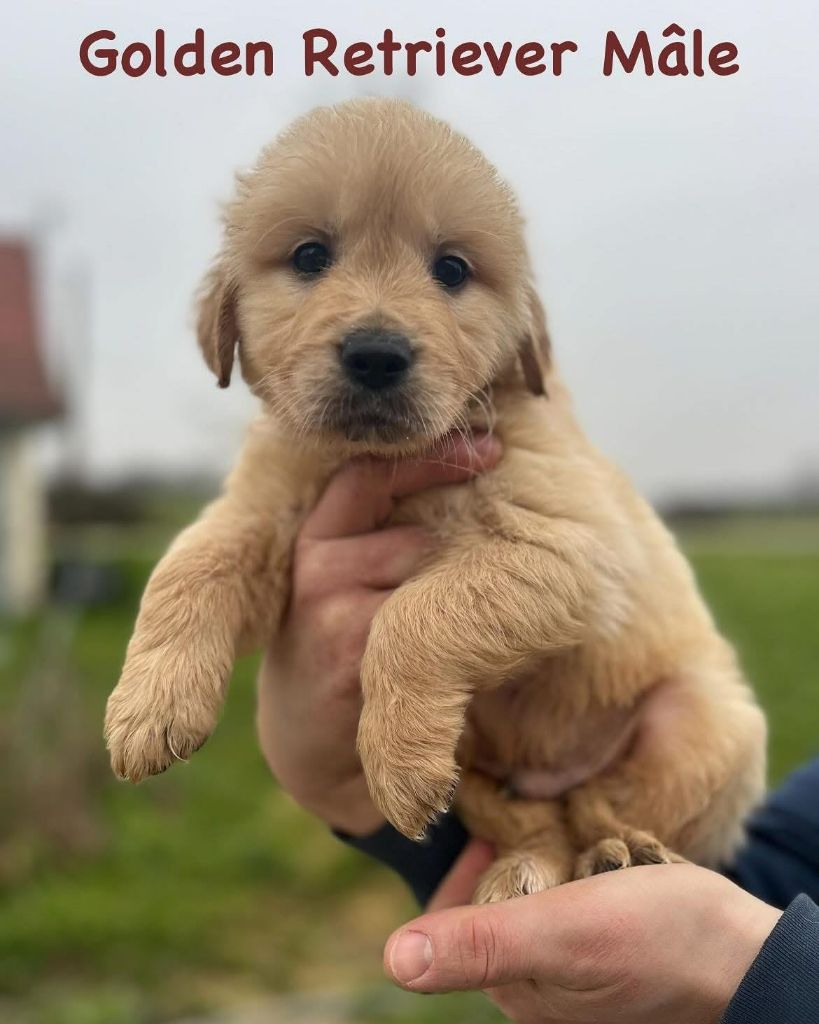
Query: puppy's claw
141	753
178	757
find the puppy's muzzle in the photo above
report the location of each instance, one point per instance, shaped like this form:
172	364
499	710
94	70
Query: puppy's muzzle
376	360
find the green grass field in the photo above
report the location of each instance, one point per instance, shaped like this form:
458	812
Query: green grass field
207	886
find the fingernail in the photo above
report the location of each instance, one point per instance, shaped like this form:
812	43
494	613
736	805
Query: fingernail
410	957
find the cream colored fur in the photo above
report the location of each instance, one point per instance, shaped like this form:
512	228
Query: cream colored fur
557	606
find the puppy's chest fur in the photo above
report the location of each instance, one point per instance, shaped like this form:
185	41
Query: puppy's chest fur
567	715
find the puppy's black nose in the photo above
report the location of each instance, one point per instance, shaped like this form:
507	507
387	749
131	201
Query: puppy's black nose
376	359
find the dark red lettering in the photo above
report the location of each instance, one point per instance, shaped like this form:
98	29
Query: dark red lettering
389	48
628	61
465	58
413	49
498	61
196	49
106	56
558	49
358	59
722	59
313	57
252	51
529	59
136	50
224	57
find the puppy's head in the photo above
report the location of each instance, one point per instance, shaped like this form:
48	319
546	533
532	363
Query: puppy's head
373	279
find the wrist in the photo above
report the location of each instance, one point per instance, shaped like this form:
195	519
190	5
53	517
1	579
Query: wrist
740	925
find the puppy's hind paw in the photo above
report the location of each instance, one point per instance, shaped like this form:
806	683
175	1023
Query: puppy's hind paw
606	855
633	849
517	874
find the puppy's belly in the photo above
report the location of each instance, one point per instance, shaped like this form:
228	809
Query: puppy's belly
540	744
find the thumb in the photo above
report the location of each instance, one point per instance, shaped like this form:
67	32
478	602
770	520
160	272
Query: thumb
470	947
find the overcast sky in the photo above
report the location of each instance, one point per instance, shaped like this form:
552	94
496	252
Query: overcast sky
673	222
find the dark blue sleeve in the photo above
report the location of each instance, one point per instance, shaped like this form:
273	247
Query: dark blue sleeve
422	865
781	857
782	984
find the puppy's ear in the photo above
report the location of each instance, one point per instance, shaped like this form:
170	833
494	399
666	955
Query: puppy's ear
217	324
535	351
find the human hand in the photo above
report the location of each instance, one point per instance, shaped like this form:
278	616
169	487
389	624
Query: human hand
666	944
345	566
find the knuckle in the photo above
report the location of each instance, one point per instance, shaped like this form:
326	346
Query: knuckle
342	680
412	537
342	688
415	542
370	560
479	951
309	577
332	615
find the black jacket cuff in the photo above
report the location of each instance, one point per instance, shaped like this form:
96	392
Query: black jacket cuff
423	864
782	984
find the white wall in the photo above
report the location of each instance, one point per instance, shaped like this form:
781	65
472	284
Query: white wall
23	561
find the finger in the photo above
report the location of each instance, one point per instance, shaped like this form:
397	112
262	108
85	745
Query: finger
344	639
358	499
330	641
380	560
521	1002
483	947
458	887
454	459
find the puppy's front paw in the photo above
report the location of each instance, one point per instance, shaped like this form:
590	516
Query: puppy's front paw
411	720
155	716
411	781
516	874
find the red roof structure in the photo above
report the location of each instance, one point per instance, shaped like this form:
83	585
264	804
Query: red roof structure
25	393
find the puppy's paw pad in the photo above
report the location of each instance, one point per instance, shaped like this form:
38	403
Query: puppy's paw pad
512	876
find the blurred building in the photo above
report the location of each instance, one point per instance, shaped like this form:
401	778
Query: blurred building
26	401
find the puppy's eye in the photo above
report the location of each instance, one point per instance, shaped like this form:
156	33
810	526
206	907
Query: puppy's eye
451	271
312	258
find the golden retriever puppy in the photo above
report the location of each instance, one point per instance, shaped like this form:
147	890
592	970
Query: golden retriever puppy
554	661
